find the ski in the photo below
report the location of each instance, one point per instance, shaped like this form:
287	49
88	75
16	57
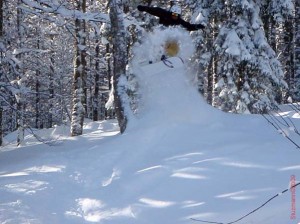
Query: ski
163	65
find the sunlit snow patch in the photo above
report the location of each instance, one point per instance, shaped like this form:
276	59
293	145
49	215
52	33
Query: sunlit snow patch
93	210
156	203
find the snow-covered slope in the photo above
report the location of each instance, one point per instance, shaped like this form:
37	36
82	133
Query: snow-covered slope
179	159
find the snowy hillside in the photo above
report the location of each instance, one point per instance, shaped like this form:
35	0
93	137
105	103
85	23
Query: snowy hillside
179	160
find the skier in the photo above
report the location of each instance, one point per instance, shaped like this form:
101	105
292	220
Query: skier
170	17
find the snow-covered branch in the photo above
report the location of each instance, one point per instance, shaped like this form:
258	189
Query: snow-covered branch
53	7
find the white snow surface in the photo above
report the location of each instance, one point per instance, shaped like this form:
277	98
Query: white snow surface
179	159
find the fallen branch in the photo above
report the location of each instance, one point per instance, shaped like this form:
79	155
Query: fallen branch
253	211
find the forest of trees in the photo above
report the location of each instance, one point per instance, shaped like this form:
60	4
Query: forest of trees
60	59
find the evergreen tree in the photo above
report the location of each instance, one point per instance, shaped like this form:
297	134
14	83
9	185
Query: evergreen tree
250	77
278	17
209	13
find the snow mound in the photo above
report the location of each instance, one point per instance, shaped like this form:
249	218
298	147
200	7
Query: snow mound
169	97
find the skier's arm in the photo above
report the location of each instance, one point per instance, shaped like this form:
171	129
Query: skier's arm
191	27
155	11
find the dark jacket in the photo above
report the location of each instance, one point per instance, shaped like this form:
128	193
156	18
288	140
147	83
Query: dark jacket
165	18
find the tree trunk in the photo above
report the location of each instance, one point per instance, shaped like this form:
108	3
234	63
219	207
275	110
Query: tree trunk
288	39
79	88
38	119
119	57
1	126
1	19
19	100
96	85
1	58
212	70
109	69
269	25
51	91
297	49
38	122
